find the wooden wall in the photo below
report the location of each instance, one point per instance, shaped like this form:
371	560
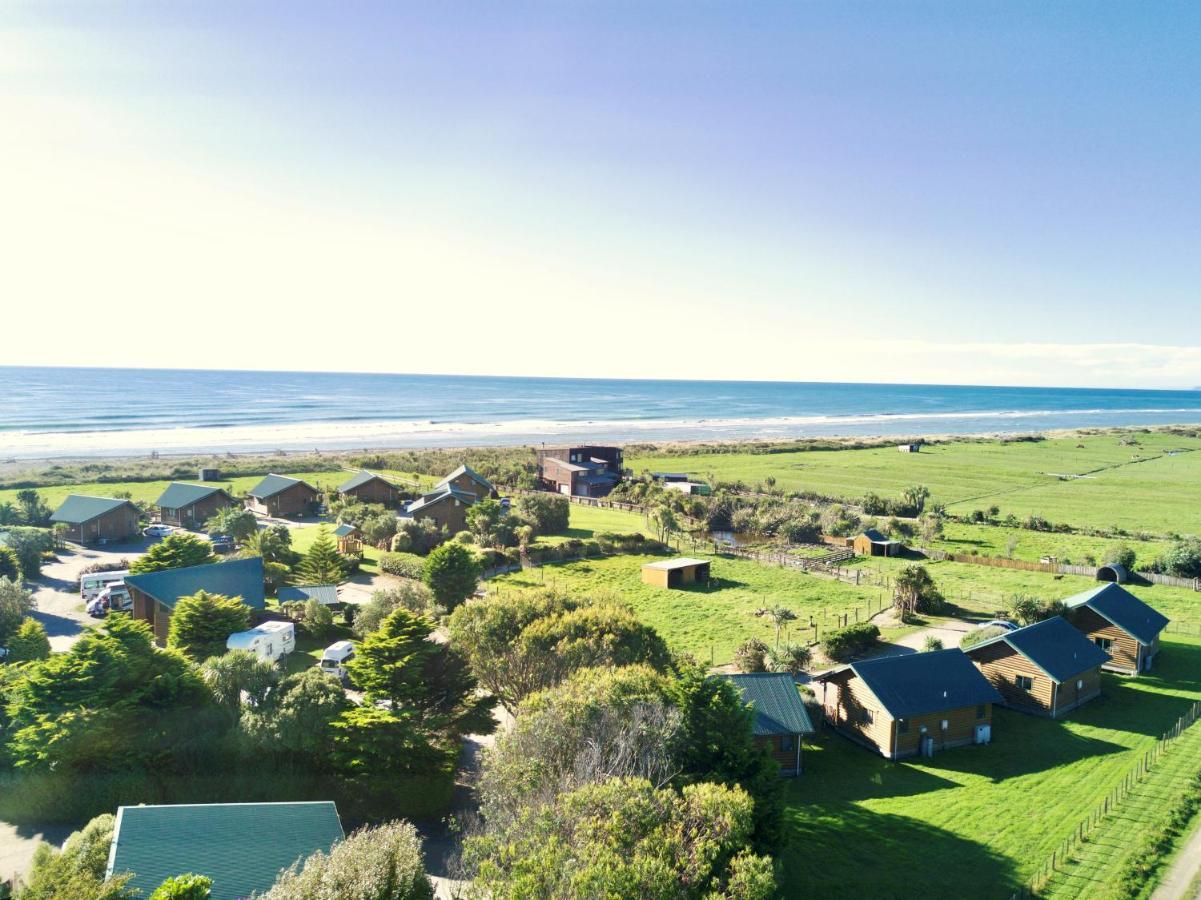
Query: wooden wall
196	513
375	491
1001	665
845	701
1124	650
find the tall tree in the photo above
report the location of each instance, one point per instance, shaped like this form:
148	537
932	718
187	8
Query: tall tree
322	564
236	521
34	510
295	720
203	622
451	573
175	551
28	643
10	566
239	674
15	604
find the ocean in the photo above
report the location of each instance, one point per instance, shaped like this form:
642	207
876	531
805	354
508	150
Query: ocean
50	412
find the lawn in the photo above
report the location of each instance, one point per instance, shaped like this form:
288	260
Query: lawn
994	540
304	535
976	821
706	621
1137	487
587	521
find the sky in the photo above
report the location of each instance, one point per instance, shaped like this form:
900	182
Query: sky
958	192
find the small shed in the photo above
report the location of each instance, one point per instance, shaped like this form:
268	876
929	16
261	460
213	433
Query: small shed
1114	572
909	448
325	594
350	539
675	573
872	543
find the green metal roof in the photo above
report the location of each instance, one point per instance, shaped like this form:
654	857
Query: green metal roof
1053	645
361	479
325	594
241	846
779	708
1123	609
469	472
920	683
274	484
180	494
79	508
344	530
435	497
236	578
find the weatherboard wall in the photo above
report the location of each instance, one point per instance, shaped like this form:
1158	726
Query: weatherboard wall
374	491
960	730
1002	666
291	501
1125	651
118	524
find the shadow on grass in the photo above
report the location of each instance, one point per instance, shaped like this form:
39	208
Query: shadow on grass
839	769
57	626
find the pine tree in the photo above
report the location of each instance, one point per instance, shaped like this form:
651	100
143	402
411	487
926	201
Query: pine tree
322	564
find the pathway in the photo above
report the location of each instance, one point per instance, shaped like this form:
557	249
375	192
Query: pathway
1180	882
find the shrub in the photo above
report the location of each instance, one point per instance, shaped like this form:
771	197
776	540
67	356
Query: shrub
851	641
184	887
28	643
451	573
548	514
788	658
15	604
405	565
201	624
980	635
318	619
175	551
1119	555
931	643
10	566
1182	559
751	656
412	596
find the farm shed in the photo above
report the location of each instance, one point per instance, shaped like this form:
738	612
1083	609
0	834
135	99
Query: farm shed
241	846
469	481
1120	624
872	543
905	705
1114	572
781	720
370	488
96	519
909	448
279	495
1048	668
446	507
674	573
190	505
154	594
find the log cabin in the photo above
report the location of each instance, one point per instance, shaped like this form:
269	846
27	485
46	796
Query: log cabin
1048	668
91	520
154	594
901	706
781	720
370	488
191	505
445	507
1120	624
469	481
279	495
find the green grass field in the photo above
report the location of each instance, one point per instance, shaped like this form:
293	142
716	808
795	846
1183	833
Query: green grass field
977	821
993	540
1133	487
303	537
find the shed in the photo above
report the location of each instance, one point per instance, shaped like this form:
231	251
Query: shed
279	495
1048	668
1120	624
905	705
873	543
1115	572
350	539
96	519
674	573
242	847
155	594
909	448
781	720
189	505
325	594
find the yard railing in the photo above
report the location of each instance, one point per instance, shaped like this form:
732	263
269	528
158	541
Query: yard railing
1107	807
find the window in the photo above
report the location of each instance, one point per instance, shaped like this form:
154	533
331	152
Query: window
1080	684
786	742
1025	682
980	711
945	725
903	726
1103	643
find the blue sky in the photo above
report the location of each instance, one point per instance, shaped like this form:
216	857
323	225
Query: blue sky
952	192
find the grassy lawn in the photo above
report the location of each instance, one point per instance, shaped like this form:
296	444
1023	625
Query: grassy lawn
975	821
709	622
308	649
303	537
993	540
1155	492
587	521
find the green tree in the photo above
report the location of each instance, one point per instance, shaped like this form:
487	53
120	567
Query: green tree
236	521
914	591
273	544
1182	559
780	616
1120	555
34	511
28	643
184	887
29	544
791	658
625	838
238	673
489	524
411	595
296	719
322	564
546	513
10	565
203	622
751	656
380	863
318	619
914	498
77	871
666	522
176	551
15	604
451	573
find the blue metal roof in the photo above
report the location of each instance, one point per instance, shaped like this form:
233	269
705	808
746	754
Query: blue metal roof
79	508
1053	645
779	708
1123	609
325	594
361	478
179	494
920	683
236	578
274	484
469	472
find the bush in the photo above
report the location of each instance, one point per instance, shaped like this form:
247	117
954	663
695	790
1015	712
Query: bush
751	656
175	551
980	635
1182	559
405	565
203	622
1119	555
792	658
28	643
451	573
318	619
851	641
15	604
547	513
184	887
412	596
931	644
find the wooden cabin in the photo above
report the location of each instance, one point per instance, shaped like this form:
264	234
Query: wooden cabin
675	573
1120	624
901	706
155	594
469	481
368	487
92	520
781	720
873	543
349	538
191	505
279	495
1048	668
446	507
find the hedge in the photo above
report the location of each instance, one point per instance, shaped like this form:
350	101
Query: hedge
406	565
851	641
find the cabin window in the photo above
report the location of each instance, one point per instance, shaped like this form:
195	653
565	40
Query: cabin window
1080	684
786	742
903	726
980	711
1103	643
866	717
1025	682
944	725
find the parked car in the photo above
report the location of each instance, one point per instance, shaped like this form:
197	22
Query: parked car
998	623
335	658
157	531
222	543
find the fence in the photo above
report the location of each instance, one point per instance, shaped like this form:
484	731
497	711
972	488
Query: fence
1063	853
1002	562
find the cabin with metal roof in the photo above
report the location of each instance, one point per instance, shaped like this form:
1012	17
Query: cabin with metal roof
279	495
676	573
242	847
350	539
191	505
905	705
446	507
370	488
154	594
1120	624
1048	668
780	719
92	520
874	543
469	481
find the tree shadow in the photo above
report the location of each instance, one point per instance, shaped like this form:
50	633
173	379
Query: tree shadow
57	626
862	773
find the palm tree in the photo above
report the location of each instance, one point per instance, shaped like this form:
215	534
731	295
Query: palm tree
780	616
668	524
791	658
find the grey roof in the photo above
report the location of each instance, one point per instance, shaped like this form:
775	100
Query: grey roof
360	479
435	497
566	464
921	683
345	530
179	494
877	538
274	484
779	708
681	562
471	473
79	508
1053	645
236	578
241	846
325	594
1123	609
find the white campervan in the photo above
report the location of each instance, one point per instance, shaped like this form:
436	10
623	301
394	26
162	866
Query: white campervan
335	658
271	640
91	584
